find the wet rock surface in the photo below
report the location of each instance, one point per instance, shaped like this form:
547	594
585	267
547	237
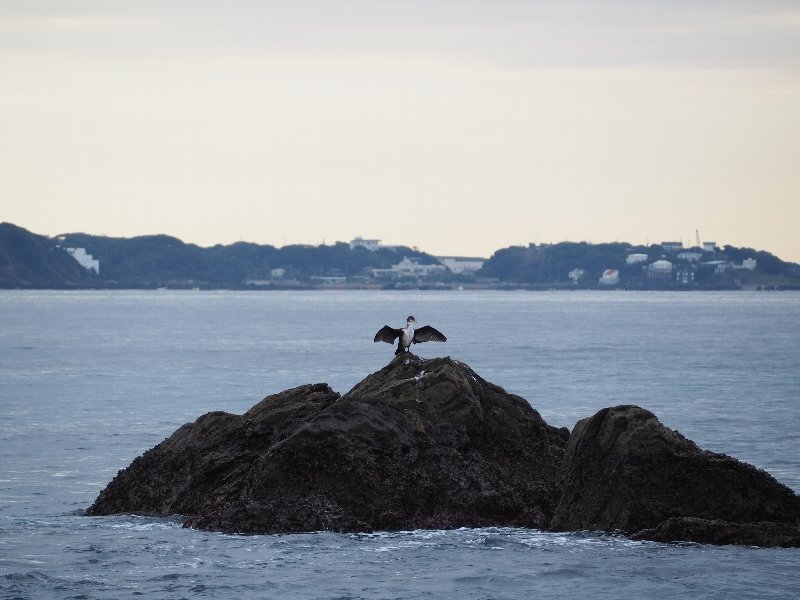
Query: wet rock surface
430	444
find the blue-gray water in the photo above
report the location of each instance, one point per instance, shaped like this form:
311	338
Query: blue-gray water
89	380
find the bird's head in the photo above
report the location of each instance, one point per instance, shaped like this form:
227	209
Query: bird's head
410	320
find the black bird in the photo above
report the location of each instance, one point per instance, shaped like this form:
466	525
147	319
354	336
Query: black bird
408	335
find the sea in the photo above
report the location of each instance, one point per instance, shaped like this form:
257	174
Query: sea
89	380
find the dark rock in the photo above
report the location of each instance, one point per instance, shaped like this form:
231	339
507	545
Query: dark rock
723	533
625	471
430	444
419	444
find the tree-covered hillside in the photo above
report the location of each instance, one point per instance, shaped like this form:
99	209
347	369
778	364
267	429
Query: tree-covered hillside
33	261
160	260
551	264
580	264
28	260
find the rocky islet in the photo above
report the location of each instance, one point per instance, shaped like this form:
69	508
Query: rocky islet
428	443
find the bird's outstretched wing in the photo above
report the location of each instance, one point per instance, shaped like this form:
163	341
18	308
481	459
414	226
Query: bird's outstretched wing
427	334
387	334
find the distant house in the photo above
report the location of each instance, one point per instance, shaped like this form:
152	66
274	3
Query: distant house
660	270
710	247
609	277
459	264
576	275
748	264
408	267
719	266
632	259
86	260
685	274
277	273
672	246
690	255
359	242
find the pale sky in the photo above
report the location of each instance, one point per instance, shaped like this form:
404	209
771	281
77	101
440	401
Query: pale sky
460	127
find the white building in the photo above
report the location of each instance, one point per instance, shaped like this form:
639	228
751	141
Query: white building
719	266
672	246
709	247
459	264
576	275
747	263
370	245
685	274
85	259
632	259
409	267
661	269
277	273
609	277
690	255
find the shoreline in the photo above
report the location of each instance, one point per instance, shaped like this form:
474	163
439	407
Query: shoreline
410	288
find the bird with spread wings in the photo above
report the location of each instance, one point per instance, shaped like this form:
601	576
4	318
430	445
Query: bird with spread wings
408	335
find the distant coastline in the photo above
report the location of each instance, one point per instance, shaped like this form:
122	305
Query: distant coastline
83	261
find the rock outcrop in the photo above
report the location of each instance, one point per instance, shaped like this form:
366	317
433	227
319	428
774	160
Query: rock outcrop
625	471
430	444
705	531
419	444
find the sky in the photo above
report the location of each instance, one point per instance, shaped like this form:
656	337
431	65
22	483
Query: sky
459	127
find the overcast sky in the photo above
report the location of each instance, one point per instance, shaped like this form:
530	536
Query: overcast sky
458	127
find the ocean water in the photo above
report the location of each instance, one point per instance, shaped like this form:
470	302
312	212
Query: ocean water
90	380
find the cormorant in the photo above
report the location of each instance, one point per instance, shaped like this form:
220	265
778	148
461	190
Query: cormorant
408	335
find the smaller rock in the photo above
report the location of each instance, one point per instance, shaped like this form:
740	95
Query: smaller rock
718	532
625	471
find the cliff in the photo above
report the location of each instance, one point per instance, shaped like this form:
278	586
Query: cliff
430	444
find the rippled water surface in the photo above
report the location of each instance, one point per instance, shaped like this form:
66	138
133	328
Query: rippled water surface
89	380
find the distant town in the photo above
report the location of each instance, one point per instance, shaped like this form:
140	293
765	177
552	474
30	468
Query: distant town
82	261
